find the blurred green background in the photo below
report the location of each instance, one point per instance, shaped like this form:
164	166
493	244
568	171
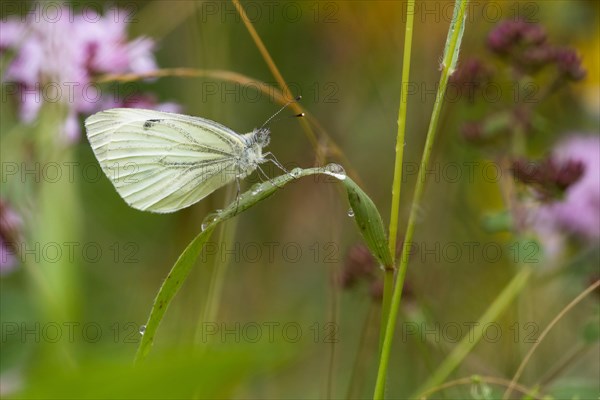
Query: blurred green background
345	59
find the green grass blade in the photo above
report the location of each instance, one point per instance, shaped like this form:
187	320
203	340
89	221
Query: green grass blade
366	215
369	223
449	61
169	288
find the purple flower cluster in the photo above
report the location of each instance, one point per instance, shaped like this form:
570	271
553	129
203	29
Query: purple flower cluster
471	74
510	33
525	46
360	266
58	60
525	49
578	212
549	178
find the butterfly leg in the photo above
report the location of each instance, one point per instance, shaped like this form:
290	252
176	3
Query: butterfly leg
275	161
269	179
237	196
261	174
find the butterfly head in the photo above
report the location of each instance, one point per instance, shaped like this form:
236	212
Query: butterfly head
261	137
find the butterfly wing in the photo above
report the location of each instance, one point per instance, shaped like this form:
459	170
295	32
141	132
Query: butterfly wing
163	162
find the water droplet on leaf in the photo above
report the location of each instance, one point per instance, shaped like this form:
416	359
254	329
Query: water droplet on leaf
335	170
142	329
296	172
209	219
351	213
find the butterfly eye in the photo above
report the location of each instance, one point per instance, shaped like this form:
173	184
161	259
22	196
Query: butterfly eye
263	138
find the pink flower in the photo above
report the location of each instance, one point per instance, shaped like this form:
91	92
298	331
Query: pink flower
30	103
12	32
10	226
27	64
103	44
140	54
62	57
578	212
8	261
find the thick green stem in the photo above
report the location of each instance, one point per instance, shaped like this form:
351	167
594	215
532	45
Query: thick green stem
388	285
448	65
388	290
401	128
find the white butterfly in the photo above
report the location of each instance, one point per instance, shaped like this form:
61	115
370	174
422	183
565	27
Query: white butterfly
163	162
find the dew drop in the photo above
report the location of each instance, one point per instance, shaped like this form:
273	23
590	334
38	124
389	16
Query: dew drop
351	213
209	219
336	171
257	188
296	172
142	329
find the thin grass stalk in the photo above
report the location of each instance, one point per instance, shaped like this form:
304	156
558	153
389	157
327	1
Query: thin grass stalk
312	138
448	66
543	335
468	342
388	280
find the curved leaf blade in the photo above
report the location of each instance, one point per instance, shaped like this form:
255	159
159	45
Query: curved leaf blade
369	223
367	218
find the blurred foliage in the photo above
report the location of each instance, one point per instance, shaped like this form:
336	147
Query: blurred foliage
345	59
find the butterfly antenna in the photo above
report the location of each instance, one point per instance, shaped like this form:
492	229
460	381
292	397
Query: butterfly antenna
281	109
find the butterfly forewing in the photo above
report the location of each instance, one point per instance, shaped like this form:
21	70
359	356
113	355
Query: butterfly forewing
163	162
